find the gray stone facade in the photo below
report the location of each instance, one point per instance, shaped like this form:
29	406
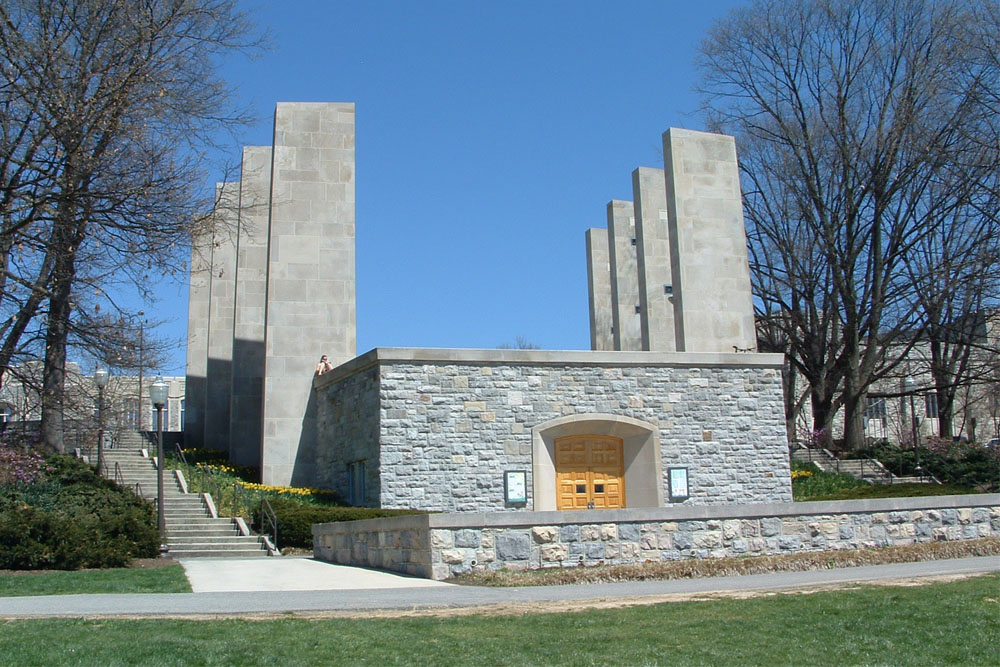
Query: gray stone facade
653	260
272	292
599	290
713	306
439	546
625	319
310	277
678	253
251	304
220	318
437	429
199	282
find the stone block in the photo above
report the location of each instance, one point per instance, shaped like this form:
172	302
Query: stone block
513	546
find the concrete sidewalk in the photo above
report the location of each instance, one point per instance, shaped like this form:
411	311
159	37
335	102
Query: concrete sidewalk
289	573
362	601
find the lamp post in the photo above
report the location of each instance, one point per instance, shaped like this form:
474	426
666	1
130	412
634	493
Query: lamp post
141	314
101	380
910	386
158	395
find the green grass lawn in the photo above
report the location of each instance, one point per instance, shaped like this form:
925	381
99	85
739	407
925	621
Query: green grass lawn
945	623
119	580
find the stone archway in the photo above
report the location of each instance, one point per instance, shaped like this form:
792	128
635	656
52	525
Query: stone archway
640	453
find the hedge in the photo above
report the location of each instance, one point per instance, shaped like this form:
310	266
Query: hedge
72	518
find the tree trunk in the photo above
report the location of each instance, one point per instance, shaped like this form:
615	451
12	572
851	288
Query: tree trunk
70	228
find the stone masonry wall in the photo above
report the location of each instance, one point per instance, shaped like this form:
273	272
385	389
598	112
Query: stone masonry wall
348	421
447	431
441	546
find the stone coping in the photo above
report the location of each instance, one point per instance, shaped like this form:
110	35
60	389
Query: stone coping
430	355
459	520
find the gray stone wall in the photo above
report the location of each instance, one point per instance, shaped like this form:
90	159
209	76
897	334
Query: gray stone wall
349	421
441	546
452	421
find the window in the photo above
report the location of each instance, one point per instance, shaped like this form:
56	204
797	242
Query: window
131	409
931	405
182	415
638	309
875	408
356	480
6	413
668	289
166	416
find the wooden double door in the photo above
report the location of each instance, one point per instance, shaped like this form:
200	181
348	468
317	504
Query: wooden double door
590	472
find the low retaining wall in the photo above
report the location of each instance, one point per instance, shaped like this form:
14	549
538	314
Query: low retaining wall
438	546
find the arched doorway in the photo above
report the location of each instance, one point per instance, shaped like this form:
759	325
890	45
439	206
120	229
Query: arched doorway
637	472
590	472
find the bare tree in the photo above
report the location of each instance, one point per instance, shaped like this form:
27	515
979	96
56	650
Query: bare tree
107	105
851	117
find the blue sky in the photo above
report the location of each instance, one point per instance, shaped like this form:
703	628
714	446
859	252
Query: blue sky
490	136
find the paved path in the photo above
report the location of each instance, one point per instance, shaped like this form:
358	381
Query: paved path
450	596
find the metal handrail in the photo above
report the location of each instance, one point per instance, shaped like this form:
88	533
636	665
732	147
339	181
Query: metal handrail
180	453
119	477
242	504
267	513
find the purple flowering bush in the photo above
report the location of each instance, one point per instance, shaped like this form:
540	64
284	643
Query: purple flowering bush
18	466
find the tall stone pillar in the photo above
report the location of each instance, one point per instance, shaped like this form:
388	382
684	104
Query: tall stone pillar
222	298
653	260
310	279
624	276
248	326
199	285
713	306
599	290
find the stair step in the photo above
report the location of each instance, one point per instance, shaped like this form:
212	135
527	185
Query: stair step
202	532
191	532
215	553
223	541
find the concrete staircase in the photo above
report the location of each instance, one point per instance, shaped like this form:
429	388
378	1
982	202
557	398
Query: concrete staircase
868	470
193	530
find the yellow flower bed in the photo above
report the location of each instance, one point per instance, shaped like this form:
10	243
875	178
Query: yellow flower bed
801	473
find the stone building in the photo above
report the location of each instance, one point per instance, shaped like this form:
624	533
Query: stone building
678	411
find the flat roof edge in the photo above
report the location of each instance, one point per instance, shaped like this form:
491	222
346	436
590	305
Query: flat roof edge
432	355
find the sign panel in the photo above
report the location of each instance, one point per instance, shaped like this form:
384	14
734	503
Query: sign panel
679	484
515	487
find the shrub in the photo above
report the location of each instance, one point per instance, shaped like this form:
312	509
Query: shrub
72	518
960	463
295	519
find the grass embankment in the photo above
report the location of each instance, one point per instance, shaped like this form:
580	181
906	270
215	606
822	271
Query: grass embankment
811	483
943	623
169	579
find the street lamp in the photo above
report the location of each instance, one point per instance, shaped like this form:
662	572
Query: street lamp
101	380
158	395
140	412
910	386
